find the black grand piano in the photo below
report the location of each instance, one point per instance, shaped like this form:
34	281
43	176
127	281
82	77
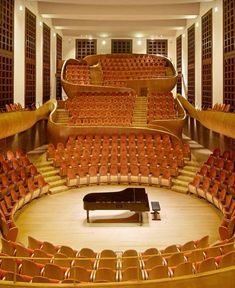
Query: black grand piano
133	199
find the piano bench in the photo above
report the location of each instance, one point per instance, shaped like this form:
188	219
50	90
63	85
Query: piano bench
156	208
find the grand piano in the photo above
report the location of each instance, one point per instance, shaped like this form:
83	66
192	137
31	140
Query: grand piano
133	199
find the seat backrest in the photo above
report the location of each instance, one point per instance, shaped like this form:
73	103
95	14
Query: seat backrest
132	274
30	268
185	268
105	275
207	265
53	271
158	272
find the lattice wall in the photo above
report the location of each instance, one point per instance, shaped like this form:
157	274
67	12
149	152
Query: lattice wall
207	59
158	46
179	63
191	64
6	52
121	46
46	63
229	52
58	58
30	58
85	47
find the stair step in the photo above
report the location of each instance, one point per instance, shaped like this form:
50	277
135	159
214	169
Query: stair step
191	168
43	164
50	173
180	182
47	169
57	183
187	173
52	178
58	189
185	178
192	163
180	189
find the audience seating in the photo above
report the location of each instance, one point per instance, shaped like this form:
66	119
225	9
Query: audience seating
95	159
50	263
78	73
161	106
100	108
20	183
119	69
109	266
215	182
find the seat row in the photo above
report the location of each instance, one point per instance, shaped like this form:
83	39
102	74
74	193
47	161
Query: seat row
109	110
161	106
19	185
64	264
221	107
88	161
218	192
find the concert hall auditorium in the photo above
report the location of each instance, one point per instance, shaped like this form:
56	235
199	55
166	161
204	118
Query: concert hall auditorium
117	143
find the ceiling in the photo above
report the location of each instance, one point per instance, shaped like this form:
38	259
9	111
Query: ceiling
119	18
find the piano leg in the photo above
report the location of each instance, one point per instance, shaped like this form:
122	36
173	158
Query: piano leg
87	216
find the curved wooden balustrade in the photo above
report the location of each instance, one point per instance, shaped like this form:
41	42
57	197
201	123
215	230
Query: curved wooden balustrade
15	122
125	72
114	71
218	121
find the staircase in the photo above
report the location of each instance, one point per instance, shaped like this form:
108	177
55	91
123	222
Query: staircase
186	175
61	116
140	112
48	171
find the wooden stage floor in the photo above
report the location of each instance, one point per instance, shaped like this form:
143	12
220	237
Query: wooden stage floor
61	219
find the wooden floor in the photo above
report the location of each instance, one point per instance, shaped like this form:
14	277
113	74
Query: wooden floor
61	219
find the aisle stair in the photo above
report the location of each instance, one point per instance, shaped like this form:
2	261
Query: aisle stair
48	171
186	175
140	112
61	116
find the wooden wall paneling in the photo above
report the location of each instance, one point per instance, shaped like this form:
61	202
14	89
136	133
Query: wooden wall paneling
229	52
46	63
58	69
30	58
85	47
121	46
207	60
157	46
6	53
179	63
191	64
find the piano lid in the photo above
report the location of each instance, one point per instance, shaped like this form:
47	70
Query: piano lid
134	195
